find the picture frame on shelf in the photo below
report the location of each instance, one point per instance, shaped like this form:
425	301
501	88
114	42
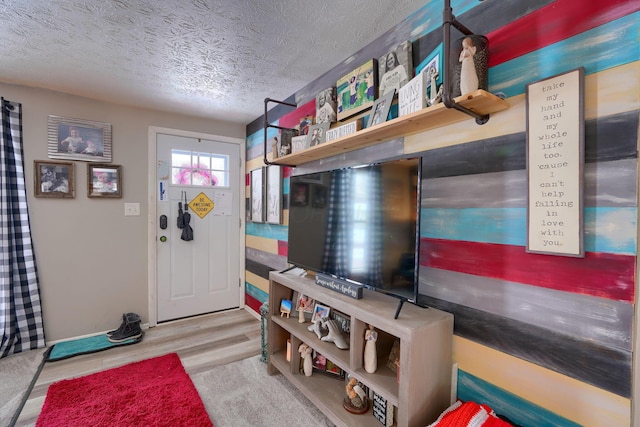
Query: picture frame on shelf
78	139
432	67
320	311
357	90
326	106
299	143
104	180
257	196
317	134
274	194
395	68
53	179
380	109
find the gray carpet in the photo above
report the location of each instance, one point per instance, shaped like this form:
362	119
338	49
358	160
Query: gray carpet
16	372
242	394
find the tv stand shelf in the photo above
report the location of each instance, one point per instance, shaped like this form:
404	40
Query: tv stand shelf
420	390
480	101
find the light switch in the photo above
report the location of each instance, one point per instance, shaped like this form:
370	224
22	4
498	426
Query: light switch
132	209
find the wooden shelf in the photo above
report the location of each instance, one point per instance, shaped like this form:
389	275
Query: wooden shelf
421	388
432	117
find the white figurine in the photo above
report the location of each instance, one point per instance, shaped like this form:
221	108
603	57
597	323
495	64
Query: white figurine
370	356
305	352
435	94
468	75
334	335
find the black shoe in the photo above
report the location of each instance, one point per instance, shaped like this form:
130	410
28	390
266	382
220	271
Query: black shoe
130	332
115	331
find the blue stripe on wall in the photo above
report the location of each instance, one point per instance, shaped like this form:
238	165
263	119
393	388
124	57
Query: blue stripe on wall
606	229
256	293
518	410
268	231
604	47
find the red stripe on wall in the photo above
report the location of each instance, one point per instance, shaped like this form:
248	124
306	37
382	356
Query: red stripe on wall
283	248
292	119
550	24
253	303
247	179
597	274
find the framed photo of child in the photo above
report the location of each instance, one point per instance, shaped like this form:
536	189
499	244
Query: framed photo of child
320	311
104	180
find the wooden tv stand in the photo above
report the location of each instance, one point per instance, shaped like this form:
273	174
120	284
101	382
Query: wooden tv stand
420	390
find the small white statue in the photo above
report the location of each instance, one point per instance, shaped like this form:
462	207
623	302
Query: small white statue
468	75
370	355
435	93
307	366
316	328
334	335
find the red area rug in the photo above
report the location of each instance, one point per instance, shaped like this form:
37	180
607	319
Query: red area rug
153	392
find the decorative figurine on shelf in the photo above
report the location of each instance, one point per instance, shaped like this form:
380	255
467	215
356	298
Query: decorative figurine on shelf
316	328
307	364
334	335
435	93
274	147
356	401
370	356
468	74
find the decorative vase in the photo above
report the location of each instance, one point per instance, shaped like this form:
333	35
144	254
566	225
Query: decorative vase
370	353
469	63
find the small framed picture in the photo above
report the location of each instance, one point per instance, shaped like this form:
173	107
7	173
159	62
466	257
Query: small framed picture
317	134
104	180
53	179
304	303
380	109
274	194
320	311
79	139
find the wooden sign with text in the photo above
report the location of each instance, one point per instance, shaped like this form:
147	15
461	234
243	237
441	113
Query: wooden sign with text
555	163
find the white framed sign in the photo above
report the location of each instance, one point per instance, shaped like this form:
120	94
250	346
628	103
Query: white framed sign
555	164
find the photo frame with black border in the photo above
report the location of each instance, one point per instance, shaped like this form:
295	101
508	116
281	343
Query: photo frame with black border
274	194
257	195
78	139
104	180
54	179
380	109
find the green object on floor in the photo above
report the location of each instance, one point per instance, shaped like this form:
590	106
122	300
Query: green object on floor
64	350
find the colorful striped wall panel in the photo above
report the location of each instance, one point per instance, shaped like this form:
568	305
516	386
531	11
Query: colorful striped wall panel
545	340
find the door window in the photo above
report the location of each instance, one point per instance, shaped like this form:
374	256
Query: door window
198	169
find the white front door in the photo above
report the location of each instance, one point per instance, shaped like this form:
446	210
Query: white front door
200	275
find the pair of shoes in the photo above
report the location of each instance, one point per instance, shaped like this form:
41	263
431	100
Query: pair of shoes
128	329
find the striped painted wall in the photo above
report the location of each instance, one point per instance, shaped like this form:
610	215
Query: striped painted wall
545	340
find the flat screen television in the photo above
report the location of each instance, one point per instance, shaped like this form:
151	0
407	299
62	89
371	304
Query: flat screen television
359	224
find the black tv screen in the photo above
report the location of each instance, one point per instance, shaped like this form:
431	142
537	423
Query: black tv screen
360	224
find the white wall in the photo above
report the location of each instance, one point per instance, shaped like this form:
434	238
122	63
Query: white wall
92	260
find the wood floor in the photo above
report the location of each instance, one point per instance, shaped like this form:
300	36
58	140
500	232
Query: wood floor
201	342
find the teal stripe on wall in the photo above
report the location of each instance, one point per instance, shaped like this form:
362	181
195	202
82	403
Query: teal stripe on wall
268	231
518	410
256	293
256	139
606	229
604	47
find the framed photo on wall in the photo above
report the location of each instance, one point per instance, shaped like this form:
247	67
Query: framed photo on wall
53	179
274	194
79	139
257	195
104	180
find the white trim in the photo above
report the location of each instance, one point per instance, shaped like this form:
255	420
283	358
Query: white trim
151	202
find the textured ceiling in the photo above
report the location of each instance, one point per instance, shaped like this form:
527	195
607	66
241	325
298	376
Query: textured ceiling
210	58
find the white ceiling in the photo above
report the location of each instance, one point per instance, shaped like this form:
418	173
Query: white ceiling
209	58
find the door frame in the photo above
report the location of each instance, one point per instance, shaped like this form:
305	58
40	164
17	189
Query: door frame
152	220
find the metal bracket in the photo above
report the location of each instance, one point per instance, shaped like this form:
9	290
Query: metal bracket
267	125
448	19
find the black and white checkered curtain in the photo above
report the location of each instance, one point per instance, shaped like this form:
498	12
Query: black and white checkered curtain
20	309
